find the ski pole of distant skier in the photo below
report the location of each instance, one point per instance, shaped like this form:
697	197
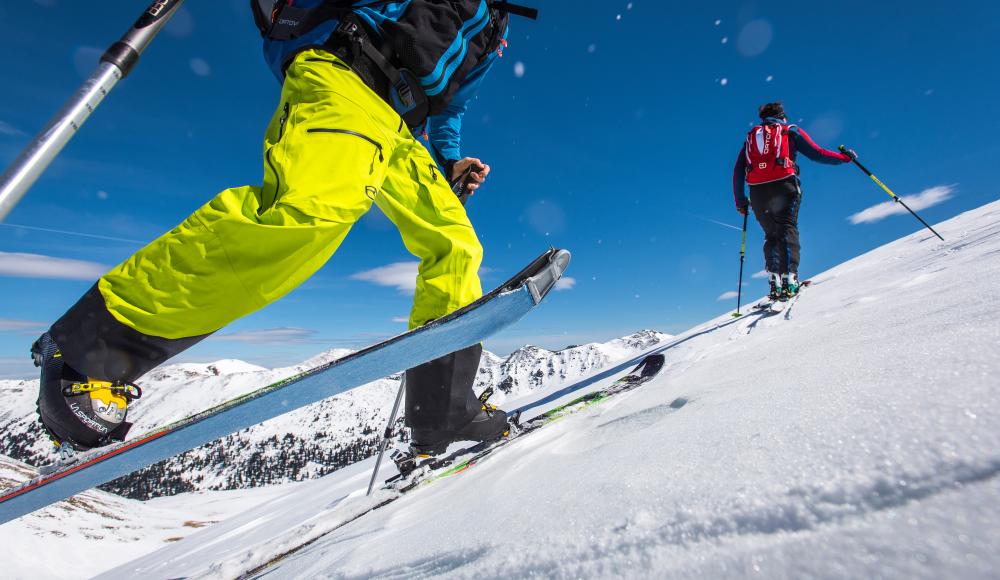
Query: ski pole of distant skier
388	433
115	64
743	255
889	191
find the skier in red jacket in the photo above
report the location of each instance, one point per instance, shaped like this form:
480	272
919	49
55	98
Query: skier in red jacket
766	162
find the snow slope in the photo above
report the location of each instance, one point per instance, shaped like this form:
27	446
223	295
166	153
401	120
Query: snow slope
95	529
854	435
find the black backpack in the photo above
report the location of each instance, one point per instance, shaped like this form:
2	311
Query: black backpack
419	52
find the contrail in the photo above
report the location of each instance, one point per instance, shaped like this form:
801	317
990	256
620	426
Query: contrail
718	223
74	234
721	224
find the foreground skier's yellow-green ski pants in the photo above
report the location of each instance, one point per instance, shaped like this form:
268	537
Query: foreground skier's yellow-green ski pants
332	149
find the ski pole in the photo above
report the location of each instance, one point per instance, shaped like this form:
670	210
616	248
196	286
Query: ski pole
461	185
115	64
743	254
388	433
889	191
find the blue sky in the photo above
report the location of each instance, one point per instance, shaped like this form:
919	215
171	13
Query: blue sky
611	128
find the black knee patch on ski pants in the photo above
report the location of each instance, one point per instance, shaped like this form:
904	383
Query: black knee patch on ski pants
95	344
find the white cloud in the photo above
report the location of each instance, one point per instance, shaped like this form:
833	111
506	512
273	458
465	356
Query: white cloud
925	199
8	324
519	69
269	335
761	274
565	283
38	266
401	319
8	129
400	275
727	295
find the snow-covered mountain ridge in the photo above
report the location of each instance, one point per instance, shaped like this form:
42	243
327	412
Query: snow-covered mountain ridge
304	444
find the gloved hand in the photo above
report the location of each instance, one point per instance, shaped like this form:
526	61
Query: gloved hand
849	153
743	208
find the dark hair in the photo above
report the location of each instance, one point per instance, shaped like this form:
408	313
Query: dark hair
775	109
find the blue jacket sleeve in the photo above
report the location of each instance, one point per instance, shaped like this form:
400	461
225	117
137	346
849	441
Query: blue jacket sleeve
444	130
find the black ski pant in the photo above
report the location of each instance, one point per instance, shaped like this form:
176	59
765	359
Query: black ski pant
776	206
439	393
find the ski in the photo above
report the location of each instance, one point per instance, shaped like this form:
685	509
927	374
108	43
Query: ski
420	474
434	469
778	306
466	326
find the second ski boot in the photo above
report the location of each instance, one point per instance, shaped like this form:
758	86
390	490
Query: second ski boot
489	424
78	412
790	285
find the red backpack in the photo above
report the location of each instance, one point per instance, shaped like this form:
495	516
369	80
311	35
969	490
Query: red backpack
768	154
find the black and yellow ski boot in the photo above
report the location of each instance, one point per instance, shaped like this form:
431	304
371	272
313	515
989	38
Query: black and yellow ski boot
76	411
490	424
